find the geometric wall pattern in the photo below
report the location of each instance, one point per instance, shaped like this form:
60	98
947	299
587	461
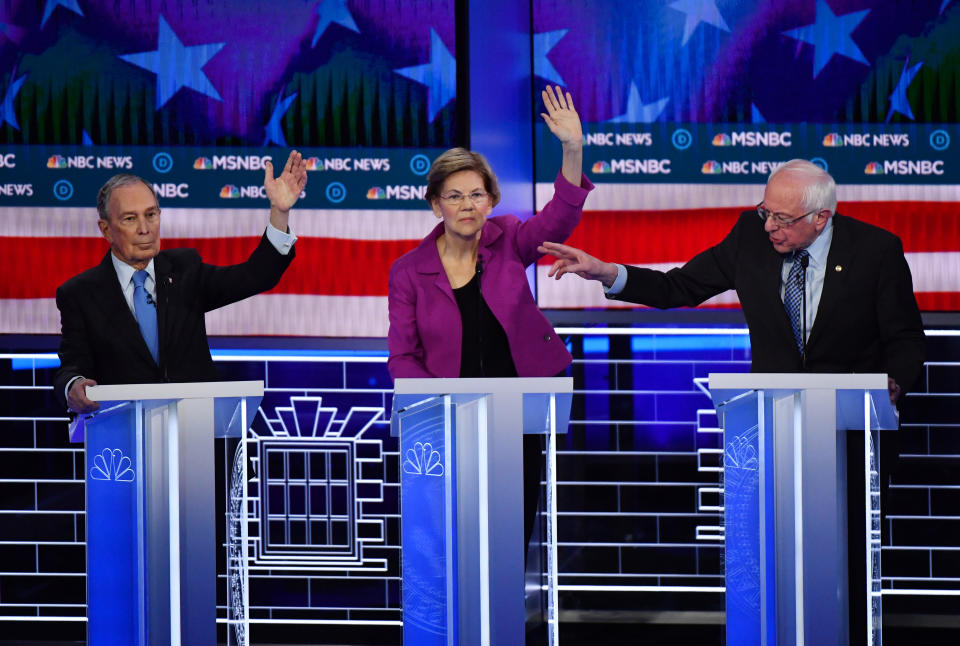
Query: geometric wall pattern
639	512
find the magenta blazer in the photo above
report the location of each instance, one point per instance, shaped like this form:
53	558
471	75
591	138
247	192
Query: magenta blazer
425	328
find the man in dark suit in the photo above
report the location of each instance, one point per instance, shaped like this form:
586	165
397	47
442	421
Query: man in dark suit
138	316
820	293
861	314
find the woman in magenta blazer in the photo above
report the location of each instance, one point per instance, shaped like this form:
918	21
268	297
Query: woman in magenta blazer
460	304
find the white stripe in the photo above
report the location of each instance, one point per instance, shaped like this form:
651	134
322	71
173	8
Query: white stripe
932	272
654	196
263	315
935	271
367	224
572	291
366	316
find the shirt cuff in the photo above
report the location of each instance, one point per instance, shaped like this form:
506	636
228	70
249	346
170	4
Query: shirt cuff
66	389
618	284
281	241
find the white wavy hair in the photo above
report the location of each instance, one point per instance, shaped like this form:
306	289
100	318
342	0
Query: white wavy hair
819	189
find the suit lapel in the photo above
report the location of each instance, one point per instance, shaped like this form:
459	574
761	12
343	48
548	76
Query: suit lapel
428	262
165	285
834	281
772	273
116	312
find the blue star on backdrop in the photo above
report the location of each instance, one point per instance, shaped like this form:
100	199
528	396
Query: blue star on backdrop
53	4
638	111
273	128
898	98
7	113
542	44
176	65
830	35
698	11
439	75
333	11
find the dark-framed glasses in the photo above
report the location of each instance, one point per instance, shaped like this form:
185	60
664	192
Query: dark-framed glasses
479	198
778	220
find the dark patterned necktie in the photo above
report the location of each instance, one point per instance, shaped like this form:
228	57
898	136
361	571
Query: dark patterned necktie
793	293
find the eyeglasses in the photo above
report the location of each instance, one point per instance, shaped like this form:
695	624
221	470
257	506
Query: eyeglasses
479	198
778	220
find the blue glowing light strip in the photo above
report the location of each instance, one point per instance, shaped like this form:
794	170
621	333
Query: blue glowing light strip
379	356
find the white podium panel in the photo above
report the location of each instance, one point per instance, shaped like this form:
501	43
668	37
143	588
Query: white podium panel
151	532
461	454
785	503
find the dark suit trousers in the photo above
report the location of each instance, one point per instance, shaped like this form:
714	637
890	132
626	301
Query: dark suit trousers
857	567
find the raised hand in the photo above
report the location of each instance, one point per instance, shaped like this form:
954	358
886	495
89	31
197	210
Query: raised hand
284	191
561	117
571	260
564	122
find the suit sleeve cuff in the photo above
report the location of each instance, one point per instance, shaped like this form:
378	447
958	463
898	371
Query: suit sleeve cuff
281	241
618	284
569	193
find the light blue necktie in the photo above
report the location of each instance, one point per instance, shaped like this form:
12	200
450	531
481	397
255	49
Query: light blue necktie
146	311
793	293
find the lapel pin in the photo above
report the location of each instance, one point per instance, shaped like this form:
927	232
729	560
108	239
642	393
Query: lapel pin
838	268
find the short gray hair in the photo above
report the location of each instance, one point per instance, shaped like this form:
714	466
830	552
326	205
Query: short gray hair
122	179
819	188
456	160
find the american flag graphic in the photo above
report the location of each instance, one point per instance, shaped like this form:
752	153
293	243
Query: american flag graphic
381	74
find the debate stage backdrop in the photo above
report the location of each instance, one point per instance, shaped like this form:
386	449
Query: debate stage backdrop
687	105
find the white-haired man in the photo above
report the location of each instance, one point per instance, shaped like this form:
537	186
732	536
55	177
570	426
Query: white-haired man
861	313
849	278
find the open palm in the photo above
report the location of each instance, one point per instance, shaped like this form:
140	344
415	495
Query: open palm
284	191
561	117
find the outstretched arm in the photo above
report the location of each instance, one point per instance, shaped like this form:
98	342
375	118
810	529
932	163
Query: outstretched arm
564	122
571	260
284	191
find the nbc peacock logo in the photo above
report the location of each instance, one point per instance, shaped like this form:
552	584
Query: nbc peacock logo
832	140
600	168
56	161
722	139
202	163
376	193
313	163
229	191
873	168
711	168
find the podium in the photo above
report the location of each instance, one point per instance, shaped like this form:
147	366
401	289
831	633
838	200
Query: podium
151	511
785	503
461	462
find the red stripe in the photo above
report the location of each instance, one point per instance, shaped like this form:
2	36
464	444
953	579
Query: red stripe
678	235
35	267
938	301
